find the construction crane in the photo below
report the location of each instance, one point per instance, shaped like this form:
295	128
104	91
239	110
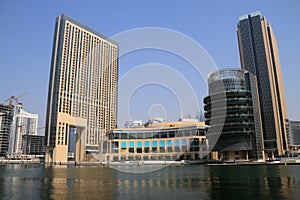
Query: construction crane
17	98
11	98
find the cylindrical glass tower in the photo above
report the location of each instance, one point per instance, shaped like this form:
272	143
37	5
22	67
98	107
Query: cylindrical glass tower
240	136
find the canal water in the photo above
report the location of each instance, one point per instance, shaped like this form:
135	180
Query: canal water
180	182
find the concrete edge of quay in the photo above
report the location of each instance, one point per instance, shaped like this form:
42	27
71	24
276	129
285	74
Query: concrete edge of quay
19	162
255	163
162	163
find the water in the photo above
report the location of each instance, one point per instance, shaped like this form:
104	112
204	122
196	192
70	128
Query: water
181	182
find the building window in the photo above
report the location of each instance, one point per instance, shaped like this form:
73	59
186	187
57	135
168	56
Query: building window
154	149
154	146
164	135
138	157
172	134
183	142
162	143
152	157
131	150
131	147
115	159
169	146
162	146
147	150
124	136
115	147
130	157
131	144
139	147
147	147
116	135
145	158
194	144
167	157
123	146
177	149
123	158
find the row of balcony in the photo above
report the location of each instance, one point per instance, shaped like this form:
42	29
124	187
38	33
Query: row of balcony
228	110
228	102
231	94
233	125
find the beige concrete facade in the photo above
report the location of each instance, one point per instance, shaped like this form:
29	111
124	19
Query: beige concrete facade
276	86
82	89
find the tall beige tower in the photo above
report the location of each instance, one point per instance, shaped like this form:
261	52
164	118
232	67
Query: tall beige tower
259	55
82	96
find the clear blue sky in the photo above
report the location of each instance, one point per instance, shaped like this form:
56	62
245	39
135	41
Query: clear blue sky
27	29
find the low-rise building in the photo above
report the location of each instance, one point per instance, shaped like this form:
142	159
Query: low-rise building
293	135
165	141
33	144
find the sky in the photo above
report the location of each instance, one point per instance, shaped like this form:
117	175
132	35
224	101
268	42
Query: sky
26	39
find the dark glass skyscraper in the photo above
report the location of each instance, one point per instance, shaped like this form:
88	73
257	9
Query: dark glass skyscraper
259	55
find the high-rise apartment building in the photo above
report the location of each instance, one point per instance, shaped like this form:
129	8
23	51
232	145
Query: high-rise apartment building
82	96
259	55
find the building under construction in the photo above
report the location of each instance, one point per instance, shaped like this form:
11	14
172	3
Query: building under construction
24	123
6	117
16	124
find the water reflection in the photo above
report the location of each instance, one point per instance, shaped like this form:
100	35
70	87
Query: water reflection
253	182
81	183
189	182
